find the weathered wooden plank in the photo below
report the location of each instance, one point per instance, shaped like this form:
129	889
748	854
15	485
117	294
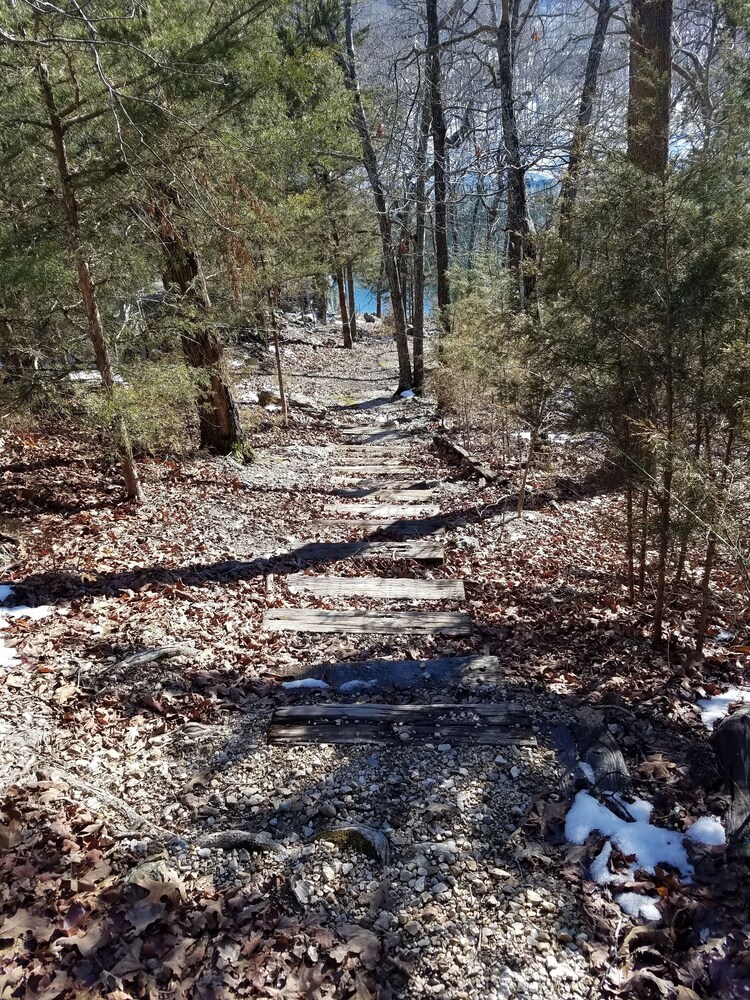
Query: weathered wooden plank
424	550
374	586
495	736
391	469
468	713
454	623
481	724
393	510
393	495
398	528
384	453
403	674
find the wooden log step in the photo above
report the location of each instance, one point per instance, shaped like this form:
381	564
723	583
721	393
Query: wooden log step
487	724
356	429
385	453
376	470
424	550
393	495
381	587
404	674
386	510
454	623
398	528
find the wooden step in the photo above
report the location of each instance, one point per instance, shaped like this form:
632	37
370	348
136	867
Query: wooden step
384	453
374	586
393	469
454	623
423	550
394	495
399	528
403	674
487	724
395	511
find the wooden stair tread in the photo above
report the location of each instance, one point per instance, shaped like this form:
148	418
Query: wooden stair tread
488	724
405	528
422	549
376	470
394	495
453	623
382	587
386	510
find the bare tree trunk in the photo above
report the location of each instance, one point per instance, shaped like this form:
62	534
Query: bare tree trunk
650	84
277	355
352	302
343	308
420	169
583	120
630	546
520	247
347	62
86	283
220	423
644	542
442	259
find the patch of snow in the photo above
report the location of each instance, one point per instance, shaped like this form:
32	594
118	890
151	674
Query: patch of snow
649	844
724	636
707	830
638	906
588	772
93	376
715	708
313	683
349	686
407	394
21	611
5	591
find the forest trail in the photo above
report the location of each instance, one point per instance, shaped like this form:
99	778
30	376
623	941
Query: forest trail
325	723
163	659
459	722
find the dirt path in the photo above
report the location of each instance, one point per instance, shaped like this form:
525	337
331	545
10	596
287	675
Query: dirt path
465	904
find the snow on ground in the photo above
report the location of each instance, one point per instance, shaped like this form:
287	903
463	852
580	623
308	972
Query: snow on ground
649	845
8	655
305	682
715	708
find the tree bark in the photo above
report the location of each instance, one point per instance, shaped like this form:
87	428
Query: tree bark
343	308
583	121
420	168
650	84
219	417
352	301
346	60
442	257
86	283
519	245
277	357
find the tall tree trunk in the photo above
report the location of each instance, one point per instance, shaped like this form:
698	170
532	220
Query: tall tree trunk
352	301
585	114
442	259
86	283
420	169
343	308
346	60
650	84
220	424
520	247
277	358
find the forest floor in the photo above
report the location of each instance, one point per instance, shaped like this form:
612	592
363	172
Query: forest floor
119	772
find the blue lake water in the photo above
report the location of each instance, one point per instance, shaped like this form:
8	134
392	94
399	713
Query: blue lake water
366	300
